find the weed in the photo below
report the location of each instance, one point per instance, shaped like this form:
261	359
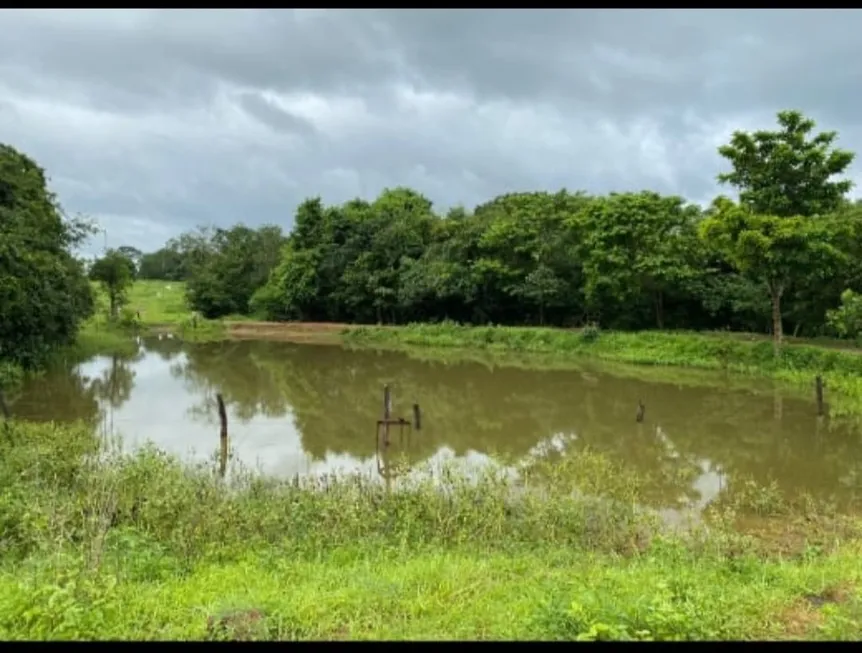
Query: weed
100	544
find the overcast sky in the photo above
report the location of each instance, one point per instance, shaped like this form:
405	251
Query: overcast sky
154	121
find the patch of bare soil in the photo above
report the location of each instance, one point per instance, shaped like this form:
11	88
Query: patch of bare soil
802	619
794	536
237	626
310	332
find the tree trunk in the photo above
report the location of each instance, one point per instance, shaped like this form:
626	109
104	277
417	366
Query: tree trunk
776	290
658	299
541	314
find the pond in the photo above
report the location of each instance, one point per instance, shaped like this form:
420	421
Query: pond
312	409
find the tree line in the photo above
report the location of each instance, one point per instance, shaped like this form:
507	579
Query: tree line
785	255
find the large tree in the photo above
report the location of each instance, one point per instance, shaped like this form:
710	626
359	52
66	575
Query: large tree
772	250
228	268
637	244
44	292
787	172
115	272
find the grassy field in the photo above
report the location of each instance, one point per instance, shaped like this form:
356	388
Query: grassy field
152	306
105	546
160	303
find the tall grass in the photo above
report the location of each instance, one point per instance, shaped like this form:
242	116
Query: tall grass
101	544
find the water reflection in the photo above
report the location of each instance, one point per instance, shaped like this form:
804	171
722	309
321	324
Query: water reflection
305	409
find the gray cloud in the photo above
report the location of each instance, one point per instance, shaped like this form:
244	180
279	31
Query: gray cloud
154	121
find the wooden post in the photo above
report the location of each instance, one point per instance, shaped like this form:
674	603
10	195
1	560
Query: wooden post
222	415
387	412
818	388
4	407
417	418
639	417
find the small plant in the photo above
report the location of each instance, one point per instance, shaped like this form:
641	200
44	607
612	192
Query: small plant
590	333
10	375
847	318
128	317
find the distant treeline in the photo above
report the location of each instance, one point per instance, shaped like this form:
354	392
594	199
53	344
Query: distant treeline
782	256
786	255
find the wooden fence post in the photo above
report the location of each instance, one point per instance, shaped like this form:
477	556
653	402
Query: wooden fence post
222	416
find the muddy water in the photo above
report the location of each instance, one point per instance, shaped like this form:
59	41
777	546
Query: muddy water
310	409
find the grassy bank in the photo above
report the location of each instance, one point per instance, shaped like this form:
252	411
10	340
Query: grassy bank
797	364
96	544
158	306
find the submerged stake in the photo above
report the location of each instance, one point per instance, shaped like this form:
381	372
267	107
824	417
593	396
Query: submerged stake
641	411
417	417
818	389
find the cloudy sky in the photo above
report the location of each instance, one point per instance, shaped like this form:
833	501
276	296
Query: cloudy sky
154	121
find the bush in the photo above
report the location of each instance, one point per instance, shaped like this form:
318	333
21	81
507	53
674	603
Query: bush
847	318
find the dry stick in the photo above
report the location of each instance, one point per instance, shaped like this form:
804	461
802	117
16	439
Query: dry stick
818	388
222	415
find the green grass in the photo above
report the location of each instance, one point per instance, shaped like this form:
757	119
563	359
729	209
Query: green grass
161	305
160	302
797	365
101	545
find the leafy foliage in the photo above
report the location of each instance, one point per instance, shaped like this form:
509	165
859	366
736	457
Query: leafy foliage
770	249
847	318
236	262
115	271
44	292
785	174
779	258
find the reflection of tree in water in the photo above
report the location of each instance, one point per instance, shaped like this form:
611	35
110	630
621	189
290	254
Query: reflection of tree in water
167	346
335	398
66	394
59	395
115	384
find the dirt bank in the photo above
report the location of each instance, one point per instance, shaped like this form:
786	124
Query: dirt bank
320	332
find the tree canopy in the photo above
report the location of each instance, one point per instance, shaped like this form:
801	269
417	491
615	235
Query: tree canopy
779	257
44	292
785	251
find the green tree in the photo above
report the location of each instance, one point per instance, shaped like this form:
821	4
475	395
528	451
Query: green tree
230	267
115	272
44	292
167	263
637	244
291	291
527	253
133	253
773	250
789	174
847	318
785	173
